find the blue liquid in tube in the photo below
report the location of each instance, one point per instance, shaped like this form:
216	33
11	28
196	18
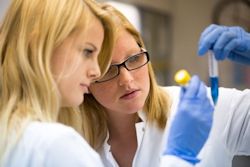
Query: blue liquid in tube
213	76
214	81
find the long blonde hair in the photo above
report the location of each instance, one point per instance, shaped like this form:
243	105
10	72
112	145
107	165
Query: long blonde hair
31	30
156	106
74	119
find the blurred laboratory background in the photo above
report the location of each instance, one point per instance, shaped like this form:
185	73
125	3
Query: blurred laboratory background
171	30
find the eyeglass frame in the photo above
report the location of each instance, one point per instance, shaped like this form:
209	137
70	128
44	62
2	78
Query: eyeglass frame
123	64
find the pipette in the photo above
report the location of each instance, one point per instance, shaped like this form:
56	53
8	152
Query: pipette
213	76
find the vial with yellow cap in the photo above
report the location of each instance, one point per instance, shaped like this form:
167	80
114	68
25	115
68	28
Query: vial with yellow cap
182	77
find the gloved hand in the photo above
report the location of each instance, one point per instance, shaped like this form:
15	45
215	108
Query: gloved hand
192	123
226	42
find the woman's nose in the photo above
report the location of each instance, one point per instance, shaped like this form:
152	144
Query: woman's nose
94	72
125	76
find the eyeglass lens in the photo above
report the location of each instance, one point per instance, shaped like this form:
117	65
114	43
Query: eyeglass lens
132	63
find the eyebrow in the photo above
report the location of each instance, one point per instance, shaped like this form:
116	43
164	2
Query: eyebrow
126	57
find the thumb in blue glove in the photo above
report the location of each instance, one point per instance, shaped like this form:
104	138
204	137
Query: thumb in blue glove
226	42
192	123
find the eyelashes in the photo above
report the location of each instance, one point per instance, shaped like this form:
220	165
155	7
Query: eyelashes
88	52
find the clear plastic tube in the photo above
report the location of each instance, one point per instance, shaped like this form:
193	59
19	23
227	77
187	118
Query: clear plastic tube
213	76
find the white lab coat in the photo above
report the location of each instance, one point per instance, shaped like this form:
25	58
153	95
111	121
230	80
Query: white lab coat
56	145
230	135
51	145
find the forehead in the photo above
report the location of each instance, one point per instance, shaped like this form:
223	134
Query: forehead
125	40
125	46
92	33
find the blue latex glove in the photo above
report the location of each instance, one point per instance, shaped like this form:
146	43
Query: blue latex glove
192	123
226	42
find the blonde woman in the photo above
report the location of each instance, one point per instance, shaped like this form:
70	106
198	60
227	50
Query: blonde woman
132	114
130	110
49	56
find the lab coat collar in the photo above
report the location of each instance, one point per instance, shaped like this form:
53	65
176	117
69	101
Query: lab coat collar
142	115
140	130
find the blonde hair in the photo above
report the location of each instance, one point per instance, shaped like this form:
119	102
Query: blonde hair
30	32
74	119
156	106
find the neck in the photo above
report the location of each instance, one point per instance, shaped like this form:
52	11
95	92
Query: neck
122	125
122	137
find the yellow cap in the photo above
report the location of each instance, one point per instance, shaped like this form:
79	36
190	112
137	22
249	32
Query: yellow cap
182	77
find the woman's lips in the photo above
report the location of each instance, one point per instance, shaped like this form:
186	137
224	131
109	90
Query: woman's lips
130	95
84	88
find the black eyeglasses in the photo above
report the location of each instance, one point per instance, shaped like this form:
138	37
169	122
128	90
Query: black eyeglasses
132	63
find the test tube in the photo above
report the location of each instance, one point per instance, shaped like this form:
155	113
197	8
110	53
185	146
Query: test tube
213	76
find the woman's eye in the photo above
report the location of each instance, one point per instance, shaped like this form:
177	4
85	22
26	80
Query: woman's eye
133	59
88	52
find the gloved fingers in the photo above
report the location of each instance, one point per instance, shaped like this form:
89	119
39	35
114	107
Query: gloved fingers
193	87
240	32
220	45
235	51
207	42
208	30
242	46
207	113
202	93
182	92
232	46
238	58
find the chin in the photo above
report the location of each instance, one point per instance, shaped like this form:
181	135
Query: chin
73	102
134	109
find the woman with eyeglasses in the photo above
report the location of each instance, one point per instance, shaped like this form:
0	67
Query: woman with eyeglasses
139	123
129	110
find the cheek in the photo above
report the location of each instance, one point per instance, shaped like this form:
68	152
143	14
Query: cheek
143	81
65	64
58	60
64	92
143	76
56	65
70	91
103	94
